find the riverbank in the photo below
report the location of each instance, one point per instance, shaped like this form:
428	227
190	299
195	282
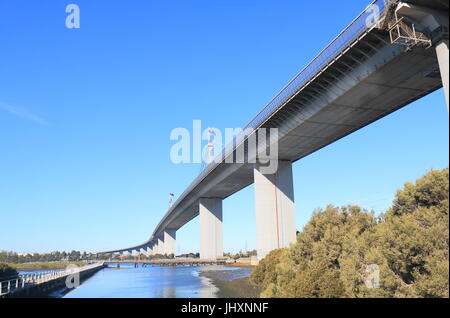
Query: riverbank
232	282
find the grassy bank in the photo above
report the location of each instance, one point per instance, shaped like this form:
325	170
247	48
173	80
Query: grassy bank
44	266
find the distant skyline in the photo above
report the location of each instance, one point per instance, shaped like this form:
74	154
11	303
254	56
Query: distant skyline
86	116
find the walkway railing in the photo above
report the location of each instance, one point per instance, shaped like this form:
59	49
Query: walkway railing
27	280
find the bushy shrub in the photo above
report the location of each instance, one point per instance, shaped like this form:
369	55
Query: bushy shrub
409	244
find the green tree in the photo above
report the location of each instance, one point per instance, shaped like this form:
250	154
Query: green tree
265	273
412	243
409	244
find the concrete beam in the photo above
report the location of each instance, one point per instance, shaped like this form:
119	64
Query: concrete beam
275	209
211	233
170	241
153	249
424	17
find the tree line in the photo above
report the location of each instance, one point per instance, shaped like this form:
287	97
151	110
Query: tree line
73	256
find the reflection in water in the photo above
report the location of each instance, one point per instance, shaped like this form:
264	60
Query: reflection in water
147	282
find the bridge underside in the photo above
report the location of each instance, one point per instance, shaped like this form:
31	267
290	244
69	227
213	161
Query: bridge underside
368	82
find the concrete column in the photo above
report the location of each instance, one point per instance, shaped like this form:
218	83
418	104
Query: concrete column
170	241
160	246
442	55
275	209
153	248
211	234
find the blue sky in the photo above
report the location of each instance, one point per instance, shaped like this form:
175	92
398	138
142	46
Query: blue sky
86	115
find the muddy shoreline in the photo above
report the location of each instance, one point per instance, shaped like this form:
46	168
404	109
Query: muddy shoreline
232	282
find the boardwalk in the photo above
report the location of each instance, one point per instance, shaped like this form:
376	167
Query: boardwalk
42	283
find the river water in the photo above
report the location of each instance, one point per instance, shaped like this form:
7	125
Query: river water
152	282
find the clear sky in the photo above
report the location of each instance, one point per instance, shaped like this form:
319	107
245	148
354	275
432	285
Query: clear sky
86	115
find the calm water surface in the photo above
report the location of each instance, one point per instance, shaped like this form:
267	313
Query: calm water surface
151	282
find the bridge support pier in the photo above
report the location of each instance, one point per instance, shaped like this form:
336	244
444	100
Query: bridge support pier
275	209
153	249
170	241
160	246
211	234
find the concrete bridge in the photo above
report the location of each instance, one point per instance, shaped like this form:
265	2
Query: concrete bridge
392	54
